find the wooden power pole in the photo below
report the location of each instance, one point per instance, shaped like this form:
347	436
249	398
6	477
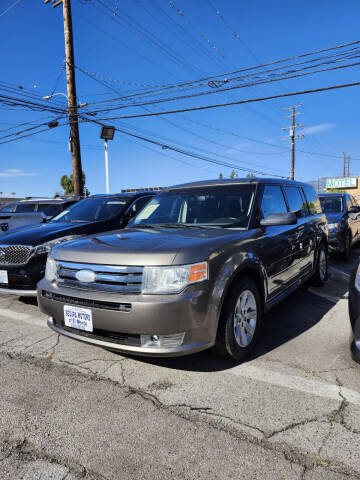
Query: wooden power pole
292	136
71	95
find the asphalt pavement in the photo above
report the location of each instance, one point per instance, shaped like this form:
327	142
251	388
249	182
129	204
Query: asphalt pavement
292	410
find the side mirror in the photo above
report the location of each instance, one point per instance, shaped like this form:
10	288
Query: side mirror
278	219
354	209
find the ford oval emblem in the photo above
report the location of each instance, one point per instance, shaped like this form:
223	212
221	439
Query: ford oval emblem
85	276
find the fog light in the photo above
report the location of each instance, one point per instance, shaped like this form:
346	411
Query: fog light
162	341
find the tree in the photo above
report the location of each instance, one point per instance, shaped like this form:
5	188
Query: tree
221	176
67	184
250	175
233	174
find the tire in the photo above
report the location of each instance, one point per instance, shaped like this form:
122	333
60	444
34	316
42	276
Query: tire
239	328
345	255
320	275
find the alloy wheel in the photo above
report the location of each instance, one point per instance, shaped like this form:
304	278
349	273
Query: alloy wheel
245	317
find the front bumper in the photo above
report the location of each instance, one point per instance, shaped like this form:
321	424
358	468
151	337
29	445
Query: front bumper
336	241
120	320
23	278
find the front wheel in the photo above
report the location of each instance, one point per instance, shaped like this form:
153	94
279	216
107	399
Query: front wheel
240	321
320	274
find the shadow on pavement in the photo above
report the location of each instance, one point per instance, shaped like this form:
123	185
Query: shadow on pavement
294	316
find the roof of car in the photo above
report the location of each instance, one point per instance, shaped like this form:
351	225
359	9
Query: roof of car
333	194
48	200
235	181
124	194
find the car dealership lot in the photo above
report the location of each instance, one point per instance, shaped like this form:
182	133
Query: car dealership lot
292	410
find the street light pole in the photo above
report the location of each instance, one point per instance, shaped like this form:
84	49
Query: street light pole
107	133
106	166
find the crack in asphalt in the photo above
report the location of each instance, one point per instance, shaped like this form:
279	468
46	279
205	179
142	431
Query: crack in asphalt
25	451
193	414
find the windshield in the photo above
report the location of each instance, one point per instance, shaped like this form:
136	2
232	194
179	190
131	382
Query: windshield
92	210
332	204
228	206
10	207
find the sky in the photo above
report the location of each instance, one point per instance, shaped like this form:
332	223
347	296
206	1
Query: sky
157	42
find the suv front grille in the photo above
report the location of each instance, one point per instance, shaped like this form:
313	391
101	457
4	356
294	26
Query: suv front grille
14	254
86	302
116	279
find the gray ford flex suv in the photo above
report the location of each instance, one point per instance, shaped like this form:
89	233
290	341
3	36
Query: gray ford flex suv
197	268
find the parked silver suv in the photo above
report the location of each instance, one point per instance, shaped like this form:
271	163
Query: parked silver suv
197	268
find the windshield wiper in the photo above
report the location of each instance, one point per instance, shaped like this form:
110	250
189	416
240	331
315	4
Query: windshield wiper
143	225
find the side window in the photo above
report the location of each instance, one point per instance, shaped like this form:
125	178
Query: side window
273	201
25	207
313	201
138	205
50	210
296	201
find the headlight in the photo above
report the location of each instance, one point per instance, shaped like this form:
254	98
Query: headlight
45	248
334	226
163	280
51	269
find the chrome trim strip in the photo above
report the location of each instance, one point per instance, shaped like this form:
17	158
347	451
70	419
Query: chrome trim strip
100	268
103	287
20	293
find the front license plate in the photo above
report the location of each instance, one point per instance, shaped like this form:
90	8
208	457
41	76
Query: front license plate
3	276
79	318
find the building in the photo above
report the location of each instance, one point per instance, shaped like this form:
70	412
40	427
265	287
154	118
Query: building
345	184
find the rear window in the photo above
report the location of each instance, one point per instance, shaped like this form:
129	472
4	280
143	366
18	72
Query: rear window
313	201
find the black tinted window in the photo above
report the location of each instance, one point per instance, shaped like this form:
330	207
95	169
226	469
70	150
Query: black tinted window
331	204
50	210
92	210
295	201
25	207
10	207
139	204
313	201
273	201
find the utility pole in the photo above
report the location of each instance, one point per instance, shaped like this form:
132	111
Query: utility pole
71	95
292	135
346	171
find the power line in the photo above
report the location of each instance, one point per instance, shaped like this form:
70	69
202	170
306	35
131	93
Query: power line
9	8
239	102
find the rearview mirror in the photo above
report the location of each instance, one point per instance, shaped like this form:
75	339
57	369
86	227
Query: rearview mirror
277	219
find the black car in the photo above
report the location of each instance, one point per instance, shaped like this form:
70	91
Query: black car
354	313
343	216
32	210
23	251
200	264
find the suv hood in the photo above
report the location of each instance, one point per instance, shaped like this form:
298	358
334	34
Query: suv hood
34	235
155	246
334	217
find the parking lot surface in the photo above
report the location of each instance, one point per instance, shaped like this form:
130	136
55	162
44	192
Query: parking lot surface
292	410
